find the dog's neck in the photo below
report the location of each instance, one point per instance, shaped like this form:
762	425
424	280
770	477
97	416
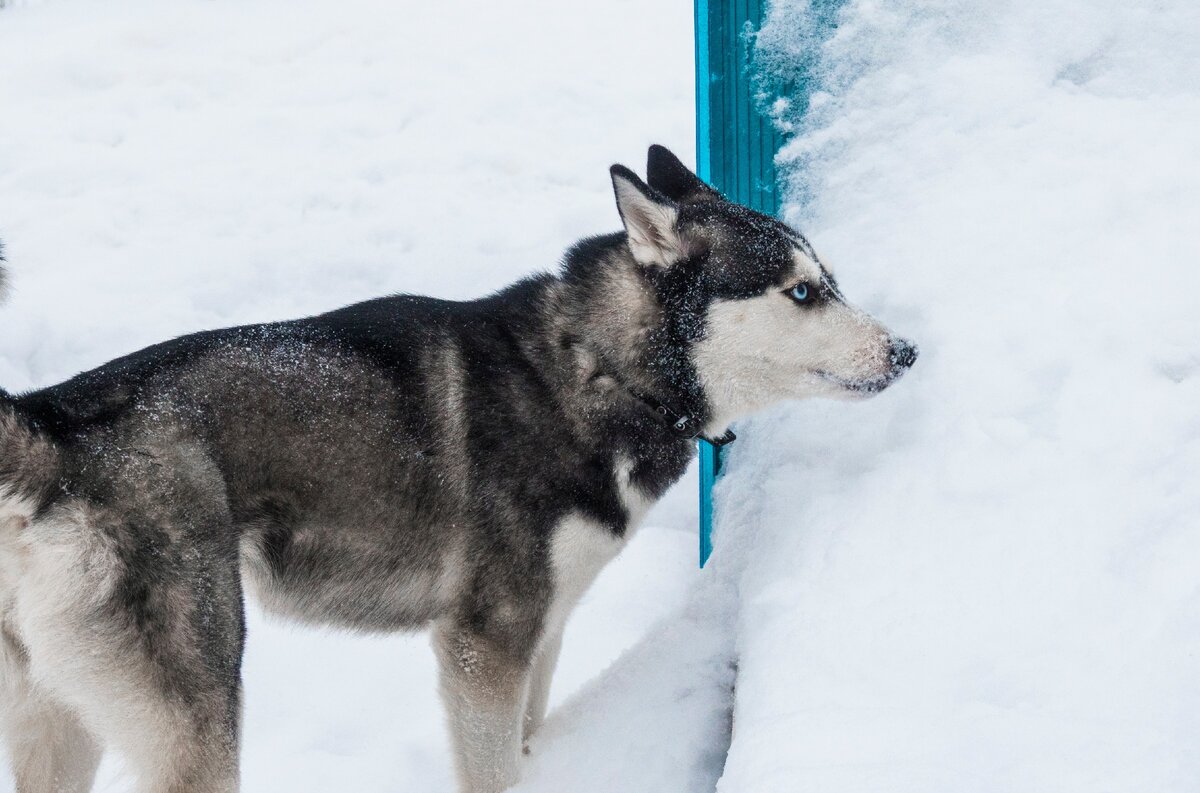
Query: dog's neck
619	333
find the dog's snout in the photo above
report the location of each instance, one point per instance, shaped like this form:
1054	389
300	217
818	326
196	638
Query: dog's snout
904	353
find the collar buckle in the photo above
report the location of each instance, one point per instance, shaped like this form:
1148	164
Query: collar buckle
683	425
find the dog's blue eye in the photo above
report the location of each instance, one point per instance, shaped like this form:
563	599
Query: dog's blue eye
799	293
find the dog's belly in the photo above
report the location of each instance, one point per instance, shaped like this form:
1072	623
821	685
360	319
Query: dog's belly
363	578
372	543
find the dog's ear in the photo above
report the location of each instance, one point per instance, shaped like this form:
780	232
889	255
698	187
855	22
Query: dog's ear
650	220
669	176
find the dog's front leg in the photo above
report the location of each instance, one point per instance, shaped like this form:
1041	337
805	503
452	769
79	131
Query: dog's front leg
485	688
541	676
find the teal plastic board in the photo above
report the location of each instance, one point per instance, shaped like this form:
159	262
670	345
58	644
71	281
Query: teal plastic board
735	143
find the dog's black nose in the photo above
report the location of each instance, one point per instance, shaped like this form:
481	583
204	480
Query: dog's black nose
904	353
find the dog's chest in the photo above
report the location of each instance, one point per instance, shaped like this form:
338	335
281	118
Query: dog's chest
582	546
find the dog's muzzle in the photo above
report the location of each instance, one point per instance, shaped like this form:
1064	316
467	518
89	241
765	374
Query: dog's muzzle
902	355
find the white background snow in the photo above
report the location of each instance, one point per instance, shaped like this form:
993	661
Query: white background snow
984	580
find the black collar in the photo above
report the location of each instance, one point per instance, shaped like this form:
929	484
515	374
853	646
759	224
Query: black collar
683	425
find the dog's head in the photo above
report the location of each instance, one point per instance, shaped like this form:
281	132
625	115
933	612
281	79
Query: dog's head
759	312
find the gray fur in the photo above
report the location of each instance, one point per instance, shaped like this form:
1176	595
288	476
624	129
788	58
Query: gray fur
395	465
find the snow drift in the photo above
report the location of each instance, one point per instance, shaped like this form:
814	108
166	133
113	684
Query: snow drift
989	577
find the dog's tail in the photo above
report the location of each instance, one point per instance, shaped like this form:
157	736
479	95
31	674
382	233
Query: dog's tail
30	463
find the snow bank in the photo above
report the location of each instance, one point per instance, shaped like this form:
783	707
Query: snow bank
988	579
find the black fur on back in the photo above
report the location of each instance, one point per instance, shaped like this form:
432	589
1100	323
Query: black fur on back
435	441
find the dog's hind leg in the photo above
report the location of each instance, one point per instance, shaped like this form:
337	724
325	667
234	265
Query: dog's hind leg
485	687
131	614
48	746
140	634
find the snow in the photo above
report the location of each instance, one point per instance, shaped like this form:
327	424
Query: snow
984	579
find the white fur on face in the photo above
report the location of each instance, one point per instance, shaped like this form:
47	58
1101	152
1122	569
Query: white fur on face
766	349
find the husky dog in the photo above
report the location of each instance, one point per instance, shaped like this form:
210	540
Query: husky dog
400	463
